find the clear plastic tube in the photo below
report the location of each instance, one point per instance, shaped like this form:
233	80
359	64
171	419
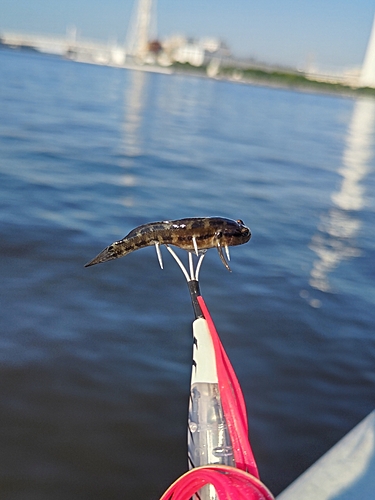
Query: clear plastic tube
208	437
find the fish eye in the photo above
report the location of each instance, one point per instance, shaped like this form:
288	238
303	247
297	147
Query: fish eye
240	221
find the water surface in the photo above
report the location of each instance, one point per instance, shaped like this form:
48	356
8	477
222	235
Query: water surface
95	363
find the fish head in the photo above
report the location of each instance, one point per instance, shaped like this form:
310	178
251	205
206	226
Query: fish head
233	233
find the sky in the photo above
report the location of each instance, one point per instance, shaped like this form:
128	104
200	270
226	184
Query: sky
330	34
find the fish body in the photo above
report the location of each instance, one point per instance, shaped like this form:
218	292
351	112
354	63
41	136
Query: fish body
195	234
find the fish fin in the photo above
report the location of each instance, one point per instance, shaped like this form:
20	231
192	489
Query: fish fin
158	253
221	255
227	251
195	245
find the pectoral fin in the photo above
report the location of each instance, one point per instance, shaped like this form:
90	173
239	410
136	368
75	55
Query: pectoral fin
221	255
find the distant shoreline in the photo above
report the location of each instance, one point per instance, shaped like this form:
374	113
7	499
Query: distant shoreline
271	78
277	79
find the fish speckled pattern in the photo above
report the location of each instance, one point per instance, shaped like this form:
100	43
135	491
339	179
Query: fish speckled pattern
194	234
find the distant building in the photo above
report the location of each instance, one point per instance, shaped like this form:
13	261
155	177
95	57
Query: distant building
191	53
195	52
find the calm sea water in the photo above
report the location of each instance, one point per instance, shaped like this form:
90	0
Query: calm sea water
95	363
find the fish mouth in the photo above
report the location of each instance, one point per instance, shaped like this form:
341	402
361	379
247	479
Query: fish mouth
244	234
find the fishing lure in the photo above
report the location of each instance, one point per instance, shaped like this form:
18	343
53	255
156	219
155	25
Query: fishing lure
195	234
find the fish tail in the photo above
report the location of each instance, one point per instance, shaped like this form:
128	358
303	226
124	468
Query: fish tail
114	251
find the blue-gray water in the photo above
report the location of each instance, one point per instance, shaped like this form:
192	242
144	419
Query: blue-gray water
95	363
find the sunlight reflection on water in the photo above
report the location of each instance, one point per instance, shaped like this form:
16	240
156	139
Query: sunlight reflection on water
337	231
